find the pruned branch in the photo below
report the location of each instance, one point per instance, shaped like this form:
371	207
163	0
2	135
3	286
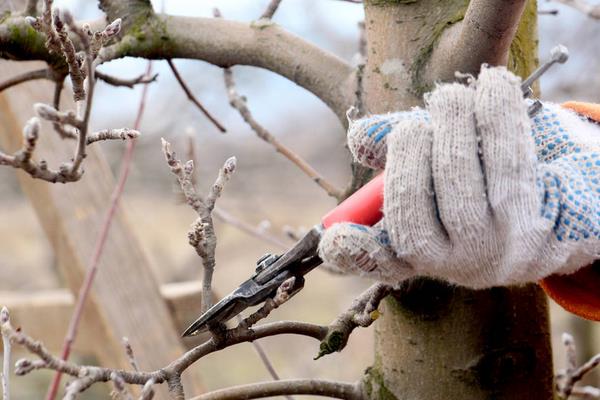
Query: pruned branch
239	103
484	36
315	387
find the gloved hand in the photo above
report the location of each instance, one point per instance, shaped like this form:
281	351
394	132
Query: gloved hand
475	192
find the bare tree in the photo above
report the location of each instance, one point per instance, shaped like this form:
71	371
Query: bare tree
433	341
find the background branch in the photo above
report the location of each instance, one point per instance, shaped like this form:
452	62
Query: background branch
193	98
239	103
25	77
591	10
271	9
317	387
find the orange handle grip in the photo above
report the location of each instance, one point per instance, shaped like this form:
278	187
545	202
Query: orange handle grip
363	207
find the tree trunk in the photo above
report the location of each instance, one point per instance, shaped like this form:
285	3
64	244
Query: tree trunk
435	341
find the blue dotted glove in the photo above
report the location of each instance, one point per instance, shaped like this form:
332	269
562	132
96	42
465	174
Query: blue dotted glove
476	192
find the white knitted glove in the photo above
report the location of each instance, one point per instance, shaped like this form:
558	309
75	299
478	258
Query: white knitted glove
475	192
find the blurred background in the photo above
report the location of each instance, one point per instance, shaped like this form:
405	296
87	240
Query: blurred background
266	190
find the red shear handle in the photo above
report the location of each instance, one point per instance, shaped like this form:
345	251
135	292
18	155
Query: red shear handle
363	207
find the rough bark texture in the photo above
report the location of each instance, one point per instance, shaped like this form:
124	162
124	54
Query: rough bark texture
435	341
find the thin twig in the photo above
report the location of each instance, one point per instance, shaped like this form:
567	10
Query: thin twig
271	9
591	10
251	230
120	82
6	346
262	354
25	77
130	355
239	104
552	12
568	377
316	387
147	390
193	98
100	242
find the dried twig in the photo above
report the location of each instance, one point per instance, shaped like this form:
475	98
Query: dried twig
271	9
316	387
591	10
202	234
6	346
568	377
193	98
239	103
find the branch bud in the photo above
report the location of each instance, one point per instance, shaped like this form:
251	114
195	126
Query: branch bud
31	130
46	112
113	28
4	315
23	366
229	166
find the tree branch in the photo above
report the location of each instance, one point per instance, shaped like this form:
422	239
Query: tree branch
484	36
130	83
202	233
591	10
567	378
24	77
239	103
271	9
316	387
362	312
193	98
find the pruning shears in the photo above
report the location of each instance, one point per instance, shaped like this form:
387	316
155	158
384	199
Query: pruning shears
363	207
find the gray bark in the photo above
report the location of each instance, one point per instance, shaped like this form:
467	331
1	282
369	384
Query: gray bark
435	341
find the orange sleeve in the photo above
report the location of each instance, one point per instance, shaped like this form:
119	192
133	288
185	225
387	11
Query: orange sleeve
578	293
